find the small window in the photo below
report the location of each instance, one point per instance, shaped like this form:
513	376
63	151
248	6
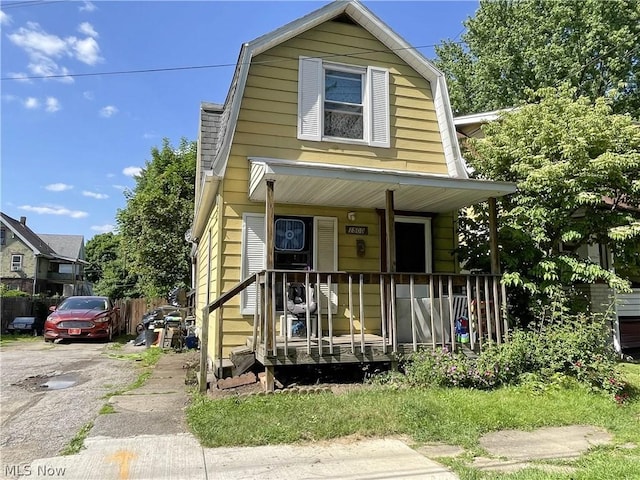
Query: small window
2	236
16	263
343	104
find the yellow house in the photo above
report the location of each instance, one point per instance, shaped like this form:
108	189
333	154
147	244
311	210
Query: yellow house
333	168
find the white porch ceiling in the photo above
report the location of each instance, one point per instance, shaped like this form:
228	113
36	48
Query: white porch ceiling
356	187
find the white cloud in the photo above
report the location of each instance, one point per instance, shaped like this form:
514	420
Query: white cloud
45	49
31	103
149	135
52	104
58	187
4	18
87	7
54	210
87	29
132	171
98	196
86	50
119	187
7	97
108	111
20	77
103	228
35	40
42	66
88	95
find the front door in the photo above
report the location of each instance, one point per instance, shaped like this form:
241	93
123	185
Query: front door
413	244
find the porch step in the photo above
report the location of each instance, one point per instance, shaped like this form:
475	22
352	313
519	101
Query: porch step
242	359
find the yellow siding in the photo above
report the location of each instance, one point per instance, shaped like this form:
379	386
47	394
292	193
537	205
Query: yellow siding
267	123
267	127
443	232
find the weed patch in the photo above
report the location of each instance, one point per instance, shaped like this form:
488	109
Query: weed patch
77	443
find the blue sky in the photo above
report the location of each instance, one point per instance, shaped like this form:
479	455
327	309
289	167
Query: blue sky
71	145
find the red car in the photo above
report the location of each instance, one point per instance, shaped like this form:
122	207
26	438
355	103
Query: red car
83	317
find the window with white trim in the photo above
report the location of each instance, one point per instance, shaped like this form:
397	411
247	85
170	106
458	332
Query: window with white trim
343	103
16	263
300	243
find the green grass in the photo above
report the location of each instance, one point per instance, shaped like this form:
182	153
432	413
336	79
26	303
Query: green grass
8	339
147	357
77	443
106	409
452	416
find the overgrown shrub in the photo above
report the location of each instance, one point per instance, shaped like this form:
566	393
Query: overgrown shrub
578	348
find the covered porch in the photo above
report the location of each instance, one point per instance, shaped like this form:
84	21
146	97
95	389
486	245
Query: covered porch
363	316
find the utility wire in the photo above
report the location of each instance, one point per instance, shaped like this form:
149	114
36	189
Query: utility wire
200	67
31	3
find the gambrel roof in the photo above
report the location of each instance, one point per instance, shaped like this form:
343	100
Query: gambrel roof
376	27
358	183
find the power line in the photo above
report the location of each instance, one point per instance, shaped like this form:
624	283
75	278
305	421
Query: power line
30	3
201	67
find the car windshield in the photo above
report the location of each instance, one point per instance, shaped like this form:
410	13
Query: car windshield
83	304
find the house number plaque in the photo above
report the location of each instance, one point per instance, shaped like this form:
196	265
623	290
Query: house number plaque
357	230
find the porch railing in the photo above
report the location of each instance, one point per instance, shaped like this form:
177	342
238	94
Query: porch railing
398	307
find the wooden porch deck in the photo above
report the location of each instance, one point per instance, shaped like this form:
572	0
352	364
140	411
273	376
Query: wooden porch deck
406	312
328	350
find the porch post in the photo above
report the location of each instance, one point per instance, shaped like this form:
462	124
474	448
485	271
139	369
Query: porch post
391	268
391	236
269	221
493	236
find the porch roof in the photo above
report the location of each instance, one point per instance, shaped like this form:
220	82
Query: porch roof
306	183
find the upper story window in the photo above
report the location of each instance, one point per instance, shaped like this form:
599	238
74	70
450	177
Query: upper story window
16	263
343	103
2	236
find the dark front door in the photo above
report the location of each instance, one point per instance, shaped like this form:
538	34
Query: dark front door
411	249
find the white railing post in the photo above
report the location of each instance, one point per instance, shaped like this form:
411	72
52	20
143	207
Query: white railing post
361	301
351	315
383	314
412	295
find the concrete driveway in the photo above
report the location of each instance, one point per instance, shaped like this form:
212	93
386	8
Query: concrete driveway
48	392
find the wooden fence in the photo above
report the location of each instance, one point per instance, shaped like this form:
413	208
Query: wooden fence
133	309
13	307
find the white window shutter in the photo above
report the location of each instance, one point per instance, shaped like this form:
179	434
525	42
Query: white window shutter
378	81
253	255
326	258
310	99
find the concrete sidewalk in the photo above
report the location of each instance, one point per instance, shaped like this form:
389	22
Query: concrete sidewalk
147	438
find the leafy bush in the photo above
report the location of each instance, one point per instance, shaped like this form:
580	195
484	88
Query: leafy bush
6	292
576	350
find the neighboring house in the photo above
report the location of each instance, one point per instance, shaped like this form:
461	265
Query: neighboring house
334	164
624	307
41	264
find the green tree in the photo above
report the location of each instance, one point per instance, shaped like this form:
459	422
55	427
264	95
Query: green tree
513	47
107	268
577	167
158	213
